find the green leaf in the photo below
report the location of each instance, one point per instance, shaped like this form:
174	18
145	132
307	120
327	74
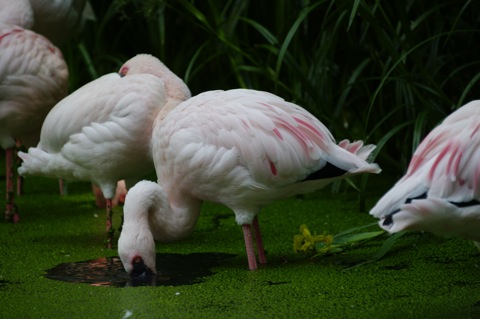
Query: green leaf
387	245
355	238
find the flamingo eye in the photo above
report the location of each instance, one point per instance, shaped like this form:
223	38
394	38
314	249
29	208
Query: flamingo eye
123	71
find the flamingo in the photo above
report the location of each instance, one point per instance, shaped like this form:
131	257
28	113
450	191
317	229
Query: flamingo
33	78
58	21
440	191
240	148
101	132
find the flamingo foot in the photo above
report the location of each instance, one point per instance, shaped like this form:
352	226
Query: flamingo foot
11	214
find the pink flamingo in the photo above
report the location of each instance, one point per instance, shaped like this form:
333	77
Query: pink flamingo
440	192
33	78
241	148
101	132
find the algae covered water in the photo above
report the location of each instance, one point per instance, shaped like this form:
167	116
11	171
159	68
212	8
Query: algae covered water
172	270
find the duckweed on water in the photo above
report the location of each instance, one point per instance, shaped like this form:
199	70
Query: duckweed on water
421	276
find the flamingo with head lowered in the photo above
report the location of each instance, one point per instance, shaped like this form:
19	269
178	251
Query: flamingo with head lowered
440	192
240	148
101	132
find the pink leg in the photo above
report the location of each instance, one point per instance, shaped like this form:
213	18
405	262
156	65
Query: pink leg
19	161
10	211
62	187
99	198
110	230
19	185
247	234
258	237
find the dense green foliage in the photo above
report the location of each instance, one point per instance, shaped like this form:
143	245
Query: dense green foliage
384	71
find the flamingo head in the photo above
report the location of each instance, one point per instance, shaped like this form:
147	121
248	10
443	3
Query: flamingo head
148	64
137	253
136	245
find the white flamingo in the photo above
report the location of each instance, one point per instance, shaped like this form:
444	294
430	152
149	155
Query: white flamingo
440	192
101	132
241	148
33	78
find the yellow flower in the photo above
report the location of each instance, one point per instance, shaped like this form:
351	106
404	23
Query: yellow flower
306	241
327	244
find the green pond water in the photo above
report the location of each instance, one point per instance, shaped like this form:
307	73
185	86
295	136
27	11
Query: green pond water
206	275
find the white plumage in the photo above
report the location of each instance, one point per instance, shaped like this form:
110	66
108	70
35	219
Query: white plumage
101	132
440	192
33	78
241	148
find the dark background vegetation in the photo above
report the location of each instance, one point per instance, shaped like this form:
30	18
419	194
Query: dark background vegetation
383	71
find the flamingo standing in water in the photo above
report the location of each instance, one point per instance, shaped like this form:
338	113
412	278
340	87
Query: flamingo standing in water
440	192
101	132
33	78
240	148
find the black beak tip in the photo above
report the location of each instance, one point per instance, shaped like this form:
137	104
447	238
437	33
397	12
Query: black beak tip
140	270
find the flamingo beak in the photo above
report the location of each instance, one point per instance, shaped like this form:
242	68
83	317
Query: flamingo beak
140	270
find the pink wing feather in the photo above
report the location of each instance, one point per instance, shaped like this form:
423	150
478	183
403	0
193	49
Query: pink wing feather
441	190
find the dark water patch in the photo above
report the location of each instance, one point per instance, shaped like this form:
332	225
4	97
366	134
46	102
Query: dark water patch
172	270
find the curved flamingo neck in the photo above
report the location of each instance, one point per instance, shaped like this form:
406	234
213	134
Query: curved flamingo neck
167	218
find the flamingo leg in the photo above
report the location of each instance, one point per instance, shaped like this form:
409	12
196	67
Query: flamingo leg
19	161
247	234
63	187
19	185
10	210
258	238
109	228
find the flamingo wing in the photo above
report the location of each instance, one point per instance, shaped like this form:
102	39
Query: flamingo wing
272	138
442	183
448	158
33	78
94	133
245	137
